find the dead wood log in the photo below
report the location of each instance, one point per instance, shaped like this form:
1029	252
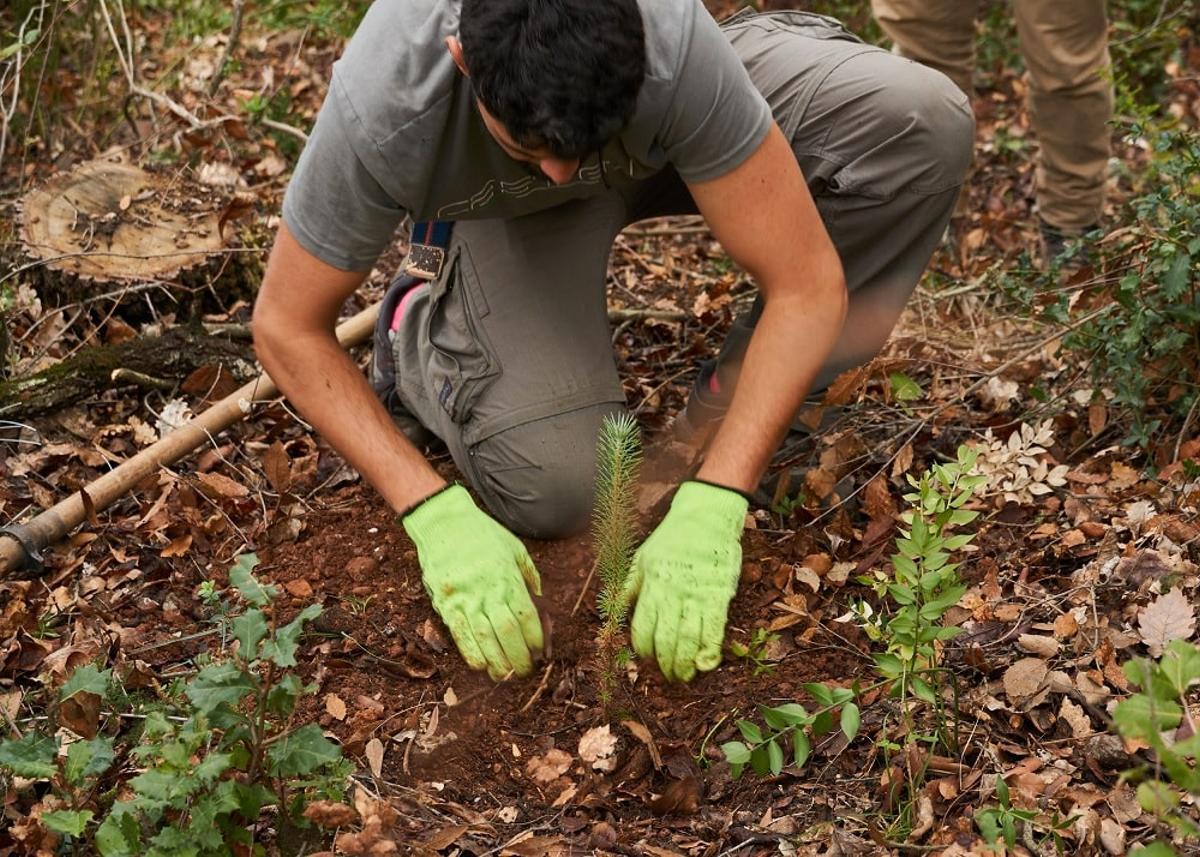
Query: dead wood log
175	355
20	544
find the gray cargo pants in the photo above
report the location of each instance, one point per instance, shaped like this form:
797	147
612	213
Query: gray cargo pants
507	356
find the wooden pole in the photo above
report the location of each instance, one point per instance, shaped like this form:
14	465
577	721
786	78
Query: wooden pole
57	521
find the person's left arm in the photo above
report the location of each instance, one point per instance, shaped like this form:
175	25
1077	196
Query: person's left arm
766	220
687	571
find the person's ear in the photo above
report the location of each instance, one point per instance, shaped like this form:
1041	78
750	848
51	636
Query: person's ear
456	52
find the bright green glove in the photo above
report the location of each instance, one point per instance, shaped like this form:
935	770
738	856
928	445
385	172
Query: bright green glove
476	573
684	577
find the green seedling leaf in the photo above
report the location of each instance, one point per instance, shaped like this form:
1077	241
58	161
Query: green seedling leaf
1141	715
736	753
775	756
88	759
921	690
1157	849
1157	797
750	731
218	684
904	388
281	648
820	693
248	630
243	580
86	679
890	666
801	748
850	720
785	716
67	822
1002	793
301	752
1180	666
30	756
822	724
988	822
760	760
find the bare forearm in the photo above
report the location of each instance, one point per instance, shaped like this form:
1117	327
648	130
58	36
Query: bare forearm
326	387
790	344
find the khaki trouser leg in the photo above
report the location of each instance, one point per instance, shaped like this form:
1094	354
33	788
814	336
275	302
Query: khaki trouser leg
1071	98
936	33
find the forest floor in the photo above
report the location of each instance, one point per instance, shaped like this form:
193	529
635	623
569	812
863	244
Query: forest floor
1079	534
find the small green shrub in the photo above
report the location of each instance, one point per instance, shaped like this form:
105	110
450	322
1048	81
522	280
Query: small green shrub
209	762
923	586
1155	711
754	650
1002	821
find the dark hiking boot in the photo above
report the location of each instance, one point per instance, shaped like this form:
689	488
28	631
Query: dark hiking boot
383	360
1067	251
707	404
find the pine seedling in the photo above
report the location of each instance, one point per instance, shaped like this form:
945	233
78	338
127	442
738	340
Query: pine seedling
614	518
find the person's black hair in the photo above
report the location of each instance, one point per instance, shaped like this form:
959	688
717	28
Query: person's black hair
564	74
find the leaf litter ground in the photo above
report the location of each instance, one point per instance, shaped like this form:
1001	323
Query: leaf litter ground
1080	564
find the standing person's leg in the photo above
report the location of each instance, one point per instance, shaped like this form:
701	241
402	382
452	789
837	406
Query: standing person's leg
936	33
883	143
1065	45
507	357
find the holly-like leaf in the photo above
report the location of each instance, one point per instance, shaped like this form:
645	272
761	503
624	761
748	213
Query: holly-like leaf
301	752
118	834
86	679
281	648
1170	617
283	696
67	822
30	756
217	684
243	580
88	759
248	630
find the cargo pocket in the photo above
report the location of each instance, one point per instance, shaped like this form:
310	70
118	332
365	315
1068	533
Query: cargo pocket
461	363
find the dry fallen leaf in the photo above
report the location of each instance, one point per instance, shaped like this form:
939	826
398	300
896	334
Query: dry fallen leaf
551	766
1076	718
1036	644
1169	617
1024	679
335	706
329	813
374	753
596	746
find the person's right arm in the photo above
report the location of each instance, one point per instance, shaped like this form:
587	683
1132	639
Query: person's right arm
478	574
294	320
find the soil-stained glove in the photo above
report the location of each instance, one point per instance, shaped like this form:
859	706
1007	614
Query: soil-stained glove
684	576
478	576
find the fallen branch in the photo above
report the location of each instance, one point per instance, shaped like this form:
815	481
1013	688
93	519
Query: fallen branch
21	544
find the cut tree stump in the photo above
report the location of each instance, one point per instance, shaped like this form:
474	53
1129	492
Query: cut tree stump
105	227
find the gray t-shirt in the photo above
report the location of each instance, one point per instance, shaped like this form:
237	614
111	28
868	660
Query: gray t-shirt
399	132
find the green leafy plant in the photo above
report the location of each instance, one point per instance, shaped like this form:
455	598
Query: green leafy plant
762	747
754	650
923	586
614	520
1002	821
210	761
1158	709
1136	324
